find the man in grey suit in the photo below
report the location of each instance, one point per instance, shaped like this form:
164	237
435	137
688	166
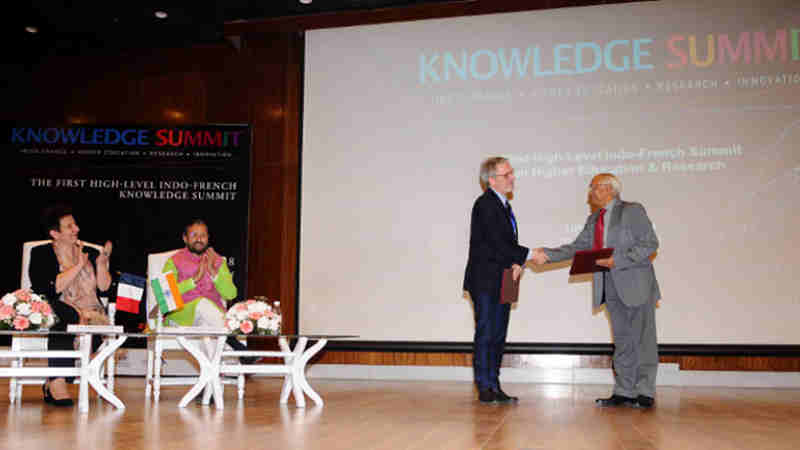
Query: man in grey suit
628	287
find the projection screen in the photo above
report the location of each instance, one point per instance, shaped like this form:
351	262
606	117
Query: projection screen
694	105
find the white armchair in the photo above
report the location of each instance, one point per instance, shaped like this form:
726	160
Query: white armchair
40	344
158	344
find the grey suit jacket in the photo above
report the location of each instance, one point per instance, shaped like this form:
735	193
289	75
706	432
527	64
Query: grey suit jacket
631	234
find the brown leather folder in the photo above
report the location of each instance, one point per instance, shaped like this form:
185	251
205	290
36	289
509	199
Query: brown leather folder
585	261
509	289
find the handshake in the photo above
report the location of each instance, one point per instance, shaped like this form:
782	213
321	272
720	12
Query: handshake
538	257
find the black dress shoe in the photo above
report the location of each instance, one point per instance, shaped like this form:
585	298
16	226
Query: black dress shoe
644	401
247	360
616	400
48	398
487	396
46	392
199	400
502	397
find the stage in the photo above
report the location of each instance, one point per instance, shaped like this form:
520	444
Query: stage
409	415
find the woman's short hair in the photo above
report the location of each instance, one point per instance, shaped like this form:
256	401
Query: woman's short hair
52	215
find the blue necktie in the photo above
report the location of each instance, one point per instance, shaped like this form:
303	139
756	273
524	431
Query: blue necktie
511	217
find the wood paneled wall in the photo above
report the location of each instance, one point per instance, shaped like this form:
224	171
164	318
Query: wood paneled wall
735	363
256	84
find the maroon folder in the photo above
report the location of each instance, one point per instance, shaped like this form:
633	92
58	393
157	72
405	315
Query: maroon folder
509	289
585	261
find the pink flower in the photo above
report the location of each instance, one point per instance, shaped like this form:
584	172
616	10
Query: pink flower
46	308
241	307
38	307
255	315
23	294
6	312
270	314
21	323
246	327
250	302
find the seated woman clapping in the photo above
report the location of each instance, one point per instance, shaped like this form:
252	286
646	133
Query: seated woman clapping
70	276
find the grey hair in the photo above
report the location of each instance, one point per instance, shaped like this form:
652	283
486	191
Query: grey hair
489	168
611	179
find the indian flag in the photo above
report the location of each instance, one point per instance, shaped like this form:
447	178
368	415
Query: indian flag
165	289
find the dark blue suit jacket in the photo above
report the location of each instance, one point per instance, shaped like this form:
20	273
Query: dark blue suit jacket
493	246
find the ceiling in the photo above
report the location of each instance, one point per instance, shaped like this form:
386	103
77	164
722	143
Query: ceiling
75	27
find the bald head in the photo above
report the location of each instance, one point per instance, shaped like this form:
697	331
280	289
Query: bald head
604	188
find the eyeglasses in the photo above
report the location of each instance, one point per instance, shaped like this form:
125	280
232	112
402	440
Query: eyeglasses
511	172
595	186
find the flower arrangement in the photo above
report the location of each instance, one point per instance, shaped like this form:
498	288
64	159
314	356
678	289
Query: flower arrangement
254	316
25	311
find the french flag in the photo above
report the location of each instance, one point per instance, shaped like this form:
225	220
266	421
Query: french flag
129	292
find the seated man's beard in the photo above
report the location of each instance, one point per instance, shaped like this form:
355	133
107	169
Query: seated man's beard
198	252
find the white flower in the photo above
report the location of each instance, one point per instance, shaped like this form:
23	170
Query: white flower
273	324
259	307
23	308
9	299
241	315
51	320
233	324
35	318
37	297
263	323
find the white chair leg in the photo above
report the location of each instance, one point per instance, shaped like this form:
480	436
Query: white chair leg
240	383
157	358
12	384
15	385
209	351
286	388
19	389
111	370
83	390
148	386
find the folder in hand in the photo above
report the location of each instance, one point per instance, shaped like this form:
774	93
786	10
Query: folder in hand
509	289
585	261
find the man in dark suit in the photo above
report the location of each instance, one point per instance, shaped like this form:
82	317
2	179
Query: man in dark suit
628	288
493	247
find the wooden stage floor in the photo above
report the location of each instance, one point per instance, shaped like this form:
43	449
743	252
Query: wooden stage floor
409	415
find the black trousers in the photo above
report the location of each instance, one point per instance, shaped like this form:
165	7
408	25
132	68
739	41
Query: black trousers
67	315
491	328
235	344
